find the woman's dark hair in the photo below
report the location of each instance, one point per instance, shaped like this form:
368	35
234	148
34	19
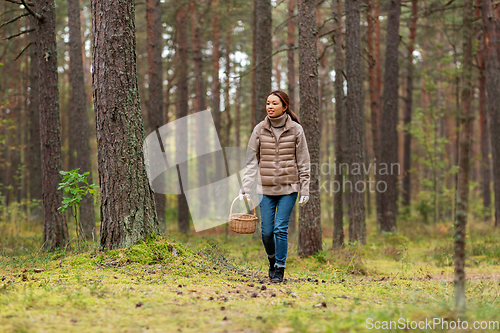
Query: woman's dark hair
285	100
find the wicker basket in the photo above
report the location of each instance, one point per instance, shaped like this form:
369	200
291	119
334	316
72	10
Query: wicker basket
243	223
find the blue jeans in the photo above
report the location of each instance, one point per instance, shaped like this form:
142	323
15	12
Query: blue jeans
275	211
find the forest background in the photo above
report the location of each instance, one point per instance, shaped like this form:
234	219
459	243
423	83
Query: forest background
419	74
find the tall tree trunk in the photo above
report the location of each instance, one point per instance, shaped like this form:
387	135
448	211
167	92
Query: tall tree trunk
227	104
55	229
354	125
373	72
253	116
309	214
200	103
277	72
484	165
338	212
182	104
34	159
463	171
408	109
264	61
292	226
80	126
493	90
389	134
155	74
216	81
484	143
378	71
127	202
237	114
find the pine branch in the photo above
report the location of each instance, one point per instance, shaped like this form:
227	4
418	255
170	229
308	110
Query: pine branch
31	11
14	19
324	23
324	50
283	23
25	48
19	34
18	2
326	33
253	68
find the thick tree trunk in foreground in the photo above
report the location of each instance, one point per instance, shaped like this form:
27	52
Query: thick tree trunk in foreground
309	214
80	126
463	171
155	74
389	133
182	103
408	109
354	123
338	210
493	89
55	229
34	158
127	203
264	61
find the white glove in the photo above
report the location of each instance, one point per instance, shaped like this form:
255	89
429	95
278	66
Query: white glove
245	196
303	200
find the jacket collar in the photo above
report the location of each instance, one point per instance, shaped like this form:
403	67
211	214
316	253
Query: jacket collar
288	123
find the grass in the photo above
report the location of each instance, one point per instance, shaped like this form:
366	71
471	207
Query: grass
203	283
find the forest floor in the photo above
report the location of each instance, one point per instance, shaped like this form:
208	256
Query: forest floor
206	282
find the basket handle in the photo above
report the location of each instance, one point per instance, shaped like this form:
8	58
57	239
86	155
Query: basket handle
231	210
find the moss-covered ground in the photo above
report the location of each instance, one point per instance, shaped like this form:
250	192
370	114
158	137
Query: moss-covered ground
206	282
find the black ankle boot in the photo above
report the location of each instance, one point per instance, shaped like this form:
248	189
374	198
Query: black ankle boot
272	269
279	273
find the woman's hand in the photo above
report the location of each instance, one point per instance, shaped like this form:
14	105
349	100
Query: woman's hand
246	196
303	200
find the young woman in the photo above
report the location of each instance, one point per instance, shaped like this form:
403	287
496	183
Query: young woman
283	168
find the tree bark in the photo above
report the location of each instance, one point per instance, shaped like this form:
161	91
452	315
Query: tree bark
55	229
264	61
338	212
237	114
34	158
200	103
80	125
292	226
493	90
389	134
182	104
227	104
253	117
408	109
373	83
155	74
378	68
354	125
463	171
484	163
309	214
127	203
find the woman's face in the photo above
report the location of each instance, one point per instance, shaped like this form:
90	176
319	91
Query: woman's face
274	107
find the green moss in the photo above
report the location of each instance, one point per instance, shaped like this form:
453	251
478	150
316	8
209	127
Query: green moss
209	284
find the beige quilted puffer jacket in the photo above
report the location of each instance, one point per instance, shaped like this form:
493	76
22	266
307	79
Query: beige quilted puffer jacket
281	164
